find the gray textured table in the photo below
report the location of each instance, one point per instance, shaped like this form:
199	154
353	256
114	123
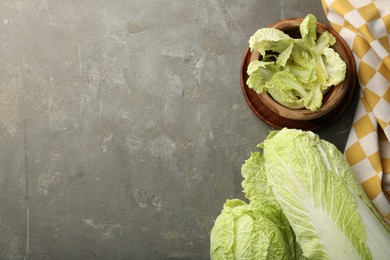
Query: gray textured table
123	127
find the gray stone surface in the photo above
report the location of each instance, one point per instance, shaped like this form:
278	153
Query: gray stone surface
123	127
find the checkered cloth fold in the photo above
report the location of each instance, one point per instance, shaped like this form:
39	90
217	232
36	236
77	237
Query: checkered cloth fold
365	26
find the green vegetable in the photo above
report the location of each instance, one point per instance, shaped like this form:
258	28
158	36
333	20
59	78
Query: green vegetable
285	88
304	186
269	39
258	230
308	64
335	69
255	183
320	197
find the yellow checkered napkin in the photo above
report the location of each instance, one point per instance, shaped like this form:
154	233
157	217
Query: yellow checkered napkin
365	26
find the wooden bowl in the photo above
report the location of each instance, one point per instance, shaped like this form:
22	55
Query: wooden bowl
335	101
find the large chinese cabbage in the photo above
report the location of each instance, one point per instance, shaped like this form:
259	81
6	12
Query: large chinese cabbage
321	198
311	182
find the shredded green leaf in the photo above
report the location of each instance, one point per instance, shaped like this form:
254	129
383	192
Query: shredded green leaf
308	65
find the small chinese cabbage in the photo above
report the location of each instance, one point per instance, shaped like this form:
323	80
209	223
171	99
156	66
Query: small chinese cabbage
257	231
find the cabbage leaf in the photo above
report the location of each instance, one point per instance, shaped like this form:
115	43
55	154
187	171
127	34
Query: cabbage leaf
314	200
308	63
